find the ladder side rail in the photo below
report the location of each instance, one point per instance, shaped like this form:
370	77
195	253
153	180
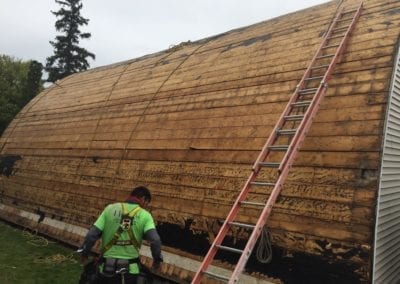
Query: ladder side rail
300	131
274	134
265	150
223	230
342	44
321	88
301	139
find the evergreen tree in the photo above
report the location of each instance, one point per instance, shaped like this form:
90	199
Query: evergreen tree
33	84
68	57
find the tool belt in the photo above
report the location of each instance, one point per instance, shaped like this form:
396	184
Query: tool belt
112	266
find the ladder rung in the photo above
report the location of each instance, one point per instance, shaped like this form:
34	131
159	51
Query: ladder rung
340	29
299	104
325	56
279	147
262	183
230	249
343	20
308	91
216	276
242	225
253	203
320	67
336	36
293	117
287	131
350	11
330	46
314	78
270	165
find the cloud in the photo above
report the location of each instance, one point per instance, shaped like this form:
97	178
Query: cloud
126	29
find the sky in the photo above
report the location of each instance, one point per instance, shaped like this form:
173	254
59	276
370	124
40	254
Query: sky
127	29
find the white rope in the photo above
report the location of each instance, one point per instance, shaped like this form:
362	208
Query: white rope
264	249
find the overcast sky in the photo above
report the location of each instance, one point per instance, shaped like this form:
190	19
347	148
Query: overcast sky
126	29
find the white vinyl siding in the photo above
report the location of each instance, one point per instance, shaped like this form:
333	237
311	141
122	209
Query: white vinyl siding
386	265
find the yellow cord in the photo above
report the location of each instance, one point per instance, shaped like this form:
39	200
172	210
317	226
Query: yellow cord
57	258
39	241
34	239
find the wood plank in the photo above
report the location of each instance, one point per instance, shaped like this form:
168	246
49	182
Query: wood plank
368	50
189	185
279	220
85	112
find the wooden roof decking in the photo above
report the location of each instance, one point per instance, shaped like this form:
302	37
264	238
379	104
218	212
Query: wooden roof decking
190	121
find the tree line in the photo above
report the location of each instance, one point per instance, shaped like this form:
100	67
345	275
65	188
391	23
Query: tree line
20	81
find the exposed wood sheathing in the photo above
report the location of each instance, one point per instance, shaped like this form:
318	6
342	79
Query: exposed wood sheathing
190	121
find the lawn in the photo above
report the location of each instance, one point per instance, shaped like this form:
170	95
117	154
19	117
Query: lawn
28	258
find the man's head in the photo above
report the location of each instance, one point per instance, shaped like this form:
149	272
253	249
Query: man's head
142	193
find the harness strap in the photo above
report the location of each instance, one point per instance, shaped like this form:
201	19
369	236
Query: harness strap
113	240
133	240
131	260
120	230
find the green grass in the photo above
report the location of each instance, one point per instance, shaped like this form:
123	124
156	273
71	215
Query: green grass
27	258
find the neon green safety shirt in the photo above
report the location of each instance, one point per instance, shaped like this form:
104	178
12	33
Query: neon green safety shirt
109	221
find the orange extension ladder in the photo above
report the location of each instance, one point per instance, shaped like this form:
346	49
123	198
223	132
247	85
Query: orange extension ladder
283	145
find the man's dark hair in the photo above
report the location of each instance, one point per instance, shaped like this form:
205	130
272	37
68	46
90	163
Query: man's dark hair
140	192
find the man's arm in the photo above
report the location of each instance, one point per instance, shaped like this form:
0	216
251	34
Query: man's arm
154	239
92	236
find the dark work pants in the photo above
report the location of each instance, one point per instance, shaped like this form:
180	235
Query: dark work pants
116	279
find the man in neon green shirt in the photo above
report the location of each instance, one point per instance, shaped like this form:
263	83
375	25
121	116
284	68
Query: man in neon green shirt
122	227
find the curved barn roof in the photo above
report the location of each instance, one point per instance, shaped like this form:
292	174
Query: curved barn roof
189	123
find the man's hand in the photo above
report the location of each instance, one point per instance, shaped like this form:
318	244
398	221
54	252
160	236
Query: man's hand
84	260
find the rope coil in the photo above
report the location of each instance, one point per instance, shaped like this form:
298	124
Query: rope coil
264	249
39	241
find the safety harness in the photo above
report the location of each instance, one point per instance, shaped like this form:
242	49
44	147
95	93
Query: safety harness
125	226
